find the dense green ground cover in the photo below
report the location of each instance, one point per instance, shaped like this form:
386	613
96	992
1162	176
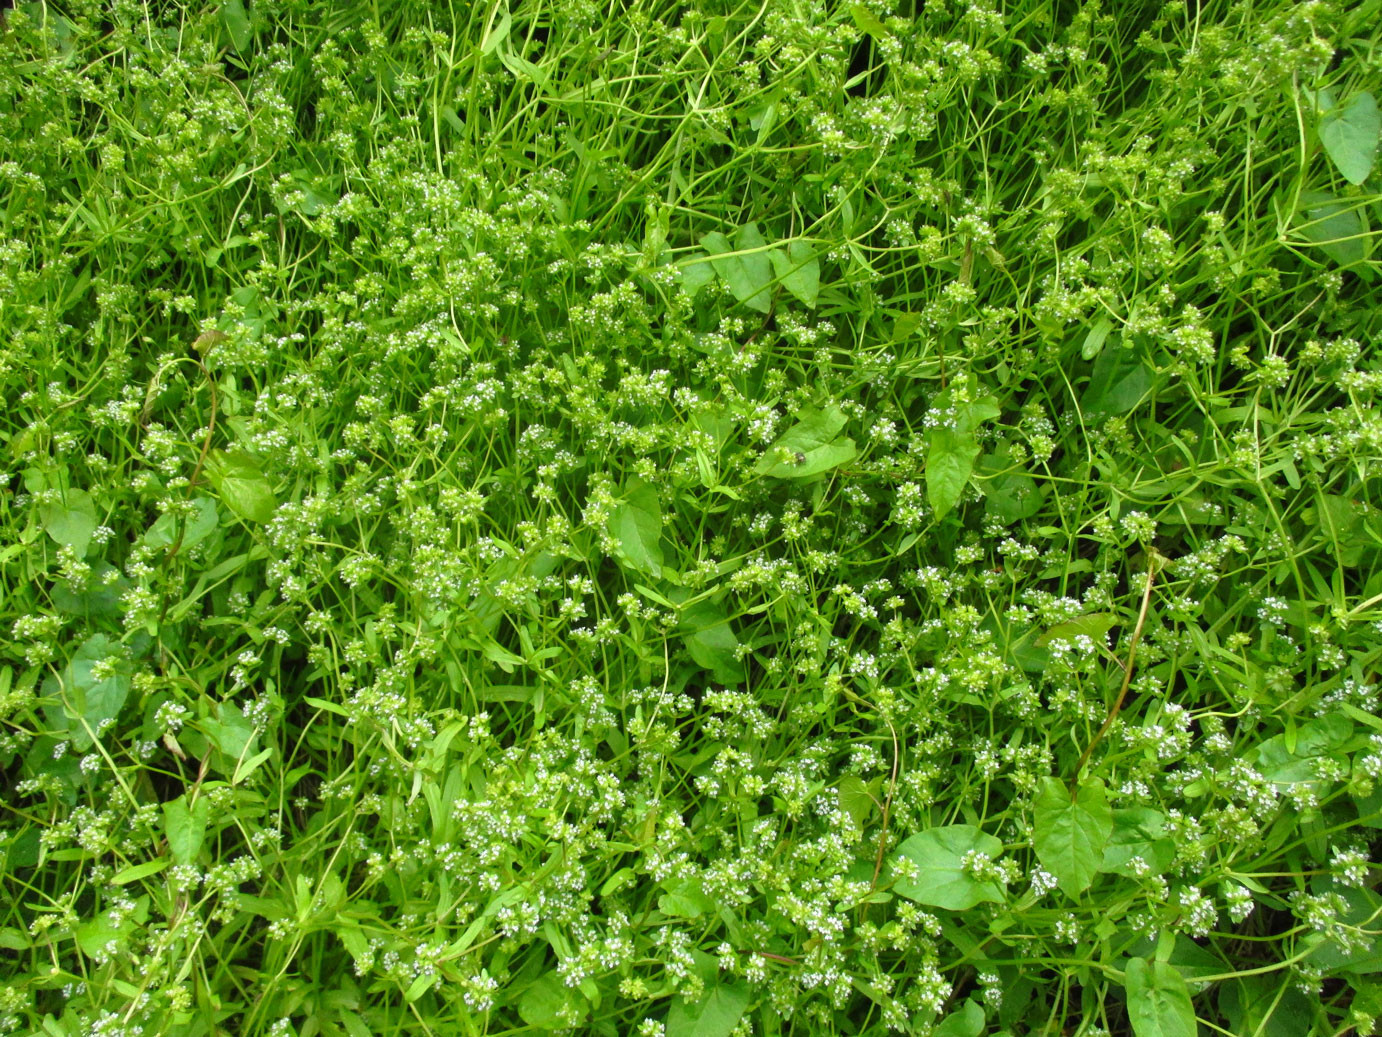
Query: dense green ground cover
784	517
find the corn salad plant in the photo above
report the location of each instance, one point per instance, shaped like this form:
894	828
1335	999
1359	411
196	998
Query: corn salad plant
751	517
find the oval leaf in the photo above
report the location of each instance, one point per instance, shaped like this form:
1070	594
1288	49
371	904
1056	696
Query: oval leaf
941	880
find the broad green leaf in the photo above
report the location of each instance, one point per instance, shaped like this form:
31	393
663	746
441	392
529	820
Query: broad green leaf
242	485
1117	383
868	22
1069	837
233	735
101	938
716	1014
196	528
1350	137
636	523
815	427
749	276
91	698
799	270
1009	496
953	446
1137	832
1093	626
237	23
1158	1000
185	827
1286	765
1335	226
696	273
854	798
549	1004
941	880
815	461
967	1021
710	639
950	460
71	520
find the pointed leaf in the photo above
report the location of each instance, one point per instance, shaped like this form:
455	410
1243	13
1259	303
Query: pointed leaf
242	485
1158	1000
185	828
1335	226
1069	837
1350	137
716	1014
815	427
815	460
941	879
748	273
799	270
636	524
710	639
696	273
950	460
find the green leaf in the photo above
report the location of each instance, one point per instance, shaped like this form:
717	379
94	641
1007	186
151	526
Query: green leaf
1350	137
814	428
237	23
799	270
636	524
941	880
549	1004
242	485
710	639
749	276
1137	832
102	938
200	525
185	828
696	273
92	699
868	22
968	1021
854	798
1009	496
1335	226
953	445
814	461
71	520
1069	837
1093	626
950	460
1158	1000
716	1014
1117	383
